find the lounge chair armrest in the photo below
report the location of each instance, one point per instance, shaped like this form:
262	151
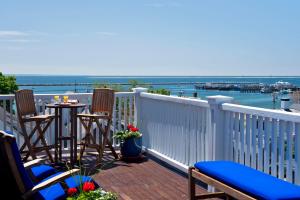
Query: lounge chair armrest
33	163
49	182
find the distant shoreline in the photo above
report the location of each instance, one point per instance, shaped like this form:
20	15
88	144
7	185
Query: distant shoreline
153	76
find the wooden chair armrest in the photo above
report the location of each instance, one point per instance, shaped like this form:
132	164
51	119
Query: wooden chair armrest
49	182
33	163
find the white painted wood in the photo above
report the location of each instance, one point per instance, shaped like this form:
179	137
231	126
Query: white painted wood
260	143
254	142
188	101
242	138
236	137
274	141
267	142
277	114
4	115
289	148
120	113
248	141
297	153
282	128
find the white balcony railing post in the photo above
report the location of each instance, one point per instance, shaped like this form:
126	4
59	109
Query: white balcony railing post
217	136
137	104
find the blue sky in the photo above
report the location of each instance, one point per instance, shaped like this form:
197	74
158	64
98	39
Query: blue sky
150	37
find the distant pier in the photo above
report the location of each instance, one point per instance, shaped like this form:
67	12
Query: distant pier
248	87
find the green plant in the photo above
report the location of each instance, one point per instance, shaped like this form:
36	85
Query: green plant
97	194
88	190
130	132
115	87
159	91
8	84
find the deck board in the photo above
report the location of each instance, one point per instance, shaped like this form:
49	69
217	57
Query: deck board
148	180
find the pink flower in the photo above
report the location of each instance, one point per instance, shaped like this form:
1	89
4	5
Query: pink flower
88	186
72	191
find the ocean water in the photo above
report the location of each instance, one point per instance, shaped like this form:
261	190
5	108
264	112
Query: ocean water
251	99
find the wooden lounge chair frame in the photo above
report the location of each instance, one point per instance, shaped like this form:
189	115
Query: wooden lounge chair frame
27	194
101	109
27	113
226	190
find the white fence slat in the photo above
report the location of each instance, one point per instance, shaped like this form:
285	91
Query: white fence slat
4	115
120	113
236	137
289	156
260	143
281	144
297	153
267	145
248	141
254	142
242	138
274	139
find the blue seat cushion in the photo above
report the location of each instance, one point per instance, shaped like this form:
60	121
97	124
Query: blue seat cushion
42	171
77	181
250	181
53	192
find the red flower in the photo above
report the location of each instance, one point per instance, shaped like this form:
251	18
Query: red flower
88	186
130	126
72	191
134	129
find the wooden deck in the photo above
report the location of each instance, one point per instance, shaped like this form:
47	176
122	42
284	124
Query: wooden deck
149	179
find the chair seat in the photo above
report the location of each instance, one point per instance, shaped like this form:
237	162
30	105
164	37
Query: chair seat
39	118
103	116
40	172
54	192
250	181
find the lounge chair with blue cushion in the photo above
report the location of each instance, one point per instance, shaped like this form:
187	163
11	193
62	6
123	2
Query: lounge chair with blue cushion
240	182
36	168
17	184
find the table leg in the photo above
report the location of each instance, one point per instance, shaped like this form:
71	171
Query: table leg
75	134
56	136
60	134
72	138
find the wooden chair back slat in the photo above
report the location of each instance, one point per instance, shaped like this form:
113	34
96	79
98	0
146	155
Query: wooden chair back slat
25	103
103	101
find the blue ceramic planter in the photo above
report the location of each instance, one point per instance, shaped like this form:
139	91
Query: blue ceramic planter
131	147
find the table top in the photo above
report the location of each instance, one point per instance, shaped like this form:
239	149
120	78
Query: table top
65	105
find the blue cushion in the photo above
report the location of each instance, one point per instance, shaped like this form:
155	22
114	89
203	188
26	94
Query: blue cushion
250	181
42	171
77	180
16	154
53	192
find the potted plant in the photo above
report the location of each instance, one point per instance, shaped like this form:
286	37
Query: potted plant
88	191
129	146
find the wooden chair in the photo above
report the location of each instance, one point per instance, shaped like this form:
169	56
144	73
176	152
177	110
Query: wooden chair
238	181
27	113
101	109
16	181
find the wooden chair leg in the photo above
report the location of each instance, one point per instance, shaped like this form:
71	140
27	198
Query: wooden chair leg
30	136
43	140
28	143
86	138
105	134
191	185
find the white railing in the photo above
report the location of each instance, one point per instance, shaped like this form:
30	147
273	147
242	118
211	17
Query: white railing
182	131
268	140
175	128
122	115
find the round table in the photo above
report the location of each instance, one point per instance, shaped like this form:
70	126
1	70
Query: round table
58	107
